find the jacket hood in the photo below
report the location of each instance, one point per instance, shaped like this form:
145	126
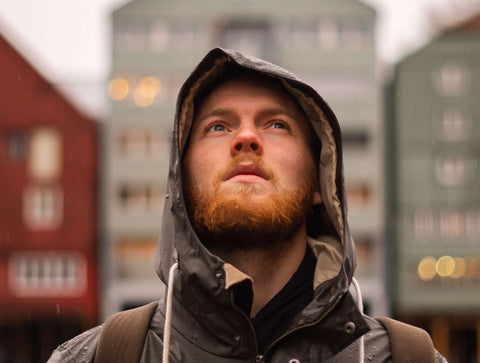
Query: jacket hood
327	228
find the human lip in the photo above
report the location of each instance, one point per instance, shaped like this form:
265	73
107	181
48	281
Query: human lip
247	172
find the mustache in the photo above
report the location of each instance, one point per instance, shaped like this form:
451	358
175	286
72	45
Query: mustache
253	163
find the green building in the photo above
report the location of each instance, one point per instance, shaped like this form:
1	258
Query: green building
330	43
433	152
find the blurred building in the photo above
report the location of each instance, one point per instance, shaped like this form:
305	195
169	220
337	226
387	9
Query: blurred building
433	150
156	44
48	227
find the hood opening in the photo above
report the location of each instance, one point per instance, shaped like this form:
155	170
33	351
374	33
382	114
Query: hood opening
325	223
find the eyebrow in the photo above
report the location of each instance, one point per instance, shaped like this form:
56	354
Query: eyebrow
270	111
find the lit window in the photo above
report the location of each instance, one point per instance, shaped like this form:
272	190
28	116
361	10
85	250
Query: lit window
135	258
359	195
454	169
118	89
17	146
365	256
43	206
426	268
423	224
47	274
146	91
45	154
451	79
451	224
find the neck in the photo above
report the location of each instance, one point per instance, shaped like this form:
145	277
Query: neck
270	267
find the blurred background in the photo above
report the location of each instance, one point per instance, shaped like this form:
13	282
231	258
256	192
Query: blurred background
87	99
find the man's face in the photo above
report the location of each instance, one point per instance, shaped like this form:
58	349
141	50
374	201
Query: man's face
248	168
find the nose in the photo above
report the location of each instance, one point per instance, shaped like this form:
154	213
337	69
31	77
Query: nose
247	139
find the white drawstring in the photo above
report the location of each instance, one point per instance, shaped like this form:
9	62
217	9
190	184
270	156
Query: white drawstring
361	350
168	313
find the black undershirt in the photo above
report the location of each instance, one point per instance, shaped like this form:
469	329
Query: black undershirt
277	315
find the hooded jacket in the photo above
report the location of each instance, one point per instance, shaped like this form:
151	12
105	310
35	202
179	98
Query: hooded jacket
205	324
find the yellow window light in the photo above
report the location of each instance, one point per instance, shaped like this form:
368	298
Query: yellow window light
147	89
426	268
460	268
118	89
445	266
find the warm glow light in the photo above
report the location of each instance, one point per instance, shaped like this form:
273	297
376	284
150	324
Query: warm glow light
460	268
426	268
118	89
445	266
147	89
472	269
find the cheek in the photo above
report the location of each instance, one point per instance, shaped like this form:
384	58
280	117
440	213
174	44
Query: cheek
197	167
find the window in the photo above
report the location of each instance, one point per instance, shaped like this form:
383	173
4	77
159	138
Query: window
141	143
118	89
472	224
451	224
454	169
146	90
183	36
365	256
159	36
354	34
45	154
328	34
453	125
140	198
304	34
43	206
135	258
17	146
451	79
355	139
423	224
247	36
359	195
47	273
131	37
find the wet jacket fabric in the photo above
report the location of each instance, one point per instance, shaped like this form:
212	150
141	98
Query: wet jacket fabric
206	325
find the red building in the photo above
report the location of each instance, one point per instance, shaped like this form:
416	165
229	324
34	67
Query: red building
48	228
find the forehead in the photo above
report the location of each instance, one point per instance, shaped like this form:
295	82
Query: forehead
248	84
255	91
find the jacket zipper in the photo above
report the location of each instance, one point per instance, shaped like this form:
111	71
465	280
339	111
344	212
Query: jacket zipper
326	312
260	357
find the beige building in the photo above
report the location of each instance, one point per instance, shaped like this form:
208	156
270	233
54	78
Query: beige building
329	43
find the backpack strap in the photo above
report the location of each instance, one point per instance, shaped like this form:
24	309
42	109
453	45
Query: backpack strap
408	343
123	335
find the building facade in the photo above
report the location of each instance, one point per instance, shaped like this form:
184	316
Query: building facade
156	44
48	219
434	150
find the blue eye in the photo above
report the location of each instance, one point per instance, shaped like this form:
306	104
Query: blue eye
278	125
217	128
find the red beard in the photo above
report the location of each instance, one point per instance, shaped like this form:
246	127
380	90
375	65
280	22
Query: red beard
245	220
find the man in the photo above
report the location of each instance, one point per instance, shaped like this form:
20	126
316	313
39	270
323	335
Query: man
255	228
